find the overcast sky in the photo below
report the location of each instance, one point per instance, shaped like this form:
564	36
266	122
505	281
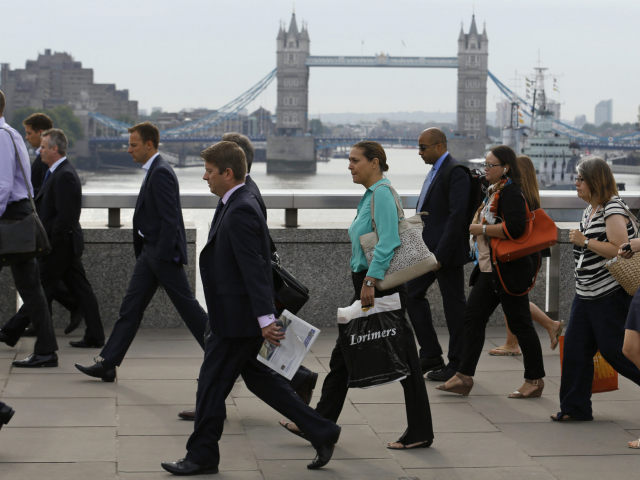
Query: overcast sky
202	53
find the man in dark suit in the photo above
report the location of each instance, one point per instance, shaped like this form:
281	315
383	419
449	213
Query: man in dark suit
34	125
235	266
160	246
59	204
304	381
447	236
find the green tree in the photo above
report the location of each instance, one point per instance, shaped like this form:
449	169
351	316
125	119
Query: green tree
62	117
316	126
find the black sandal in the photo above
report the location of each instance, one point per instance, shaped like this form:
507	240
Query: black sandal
425	444
562	417
286	427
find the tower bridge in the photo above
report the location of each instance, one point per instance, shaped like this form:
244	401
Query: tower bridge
292	149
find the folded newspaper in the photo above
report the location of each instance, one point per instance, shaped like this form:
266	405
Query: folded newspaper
286	358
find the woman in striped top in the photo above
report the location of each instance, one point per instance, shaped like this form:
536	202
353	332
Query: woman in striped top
600	306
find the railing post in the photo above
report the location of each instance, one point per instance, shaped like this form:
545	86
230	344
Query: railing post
114	218
291	217
553	283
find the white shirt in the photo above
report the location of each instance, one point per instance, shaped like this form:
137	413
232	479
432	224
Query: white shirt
12	184
53	167
38	151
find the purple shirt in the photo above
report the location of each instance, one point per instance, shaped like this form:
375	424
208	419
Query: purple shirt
12	186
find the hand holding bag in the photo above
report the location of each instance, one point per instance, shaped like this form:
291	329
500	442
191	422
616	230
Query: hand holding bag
627	271
412	258
23	239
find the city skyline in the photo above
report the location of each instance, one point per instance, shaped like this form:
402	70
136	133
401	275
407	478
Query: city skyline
192	61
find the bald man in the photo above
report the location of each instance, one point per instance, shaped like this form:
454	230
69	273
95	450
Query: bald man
445	195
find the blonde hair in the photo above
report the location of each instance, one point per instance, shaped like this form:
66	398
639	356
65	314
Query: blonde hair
529	182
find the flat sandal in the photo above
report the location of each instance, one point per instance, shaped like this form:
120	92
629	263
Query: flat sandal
425	444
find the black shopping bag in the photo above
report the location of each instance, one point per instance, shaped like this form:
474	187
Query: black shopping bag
372	342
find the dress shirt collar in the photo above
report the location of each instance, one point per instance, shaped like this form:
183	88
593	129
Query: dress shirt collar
53	167
147	165
2	122
38	151
437	165
226	196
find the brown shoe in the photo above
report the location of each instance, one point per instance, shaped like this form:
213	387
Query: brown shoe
188	414
539	384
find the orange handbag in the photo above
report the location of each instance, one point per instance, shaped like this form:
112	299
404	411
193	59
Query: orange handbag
605	378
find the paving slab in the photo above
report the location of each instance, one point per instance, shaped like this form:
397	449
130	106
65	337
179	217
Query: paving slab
480	450
157	392
160	369
337	469
624	413
145	453
5	368
45	385
447	417
64	445
63	412
7	351
595	467
496	473
58	471
188	348
231	475
569	438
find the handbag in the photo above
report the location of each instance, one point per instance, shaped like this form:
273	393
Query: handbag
372	342
290	292
412	258
627	271
23	239
605	378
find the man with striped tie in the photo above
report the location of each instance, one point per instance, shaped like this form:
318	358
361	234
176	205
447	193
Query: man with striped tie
445	196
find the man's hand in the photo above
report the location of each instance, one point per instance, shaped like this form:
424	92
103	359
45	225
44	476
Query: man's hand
273	334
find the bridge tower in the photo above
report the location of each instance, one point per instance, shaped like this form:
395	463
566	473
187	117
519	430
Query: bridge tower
473	56
293	79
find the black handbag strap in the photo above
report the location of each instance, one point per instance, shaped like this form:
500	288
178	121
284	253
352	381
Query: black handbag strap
24	176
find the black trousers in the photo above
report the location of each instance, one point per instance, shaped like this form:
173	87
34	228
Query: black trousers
224	360
26	277
593	325
62	265
451	283
483	300
148	274
335	386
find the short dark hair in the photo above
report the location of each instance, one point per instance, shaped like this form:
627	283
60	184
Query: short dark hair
3	103
373	150
597	174
38	122
148	133
244	143
507	156
225	155
57	137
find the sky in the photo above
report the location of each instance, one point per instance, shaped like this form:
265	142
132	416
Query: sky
202	53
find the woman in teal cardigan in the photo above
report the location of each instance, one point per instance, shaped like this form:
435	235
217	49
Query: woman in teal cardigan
367	164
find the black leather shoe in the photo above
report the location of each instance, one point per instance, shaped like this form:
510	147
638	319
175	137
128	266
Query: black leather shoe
38	361
74	321
441	375
428	364
188	414
5	338
325	451
98	370
84	343
305	392
6	413
29	332
185	467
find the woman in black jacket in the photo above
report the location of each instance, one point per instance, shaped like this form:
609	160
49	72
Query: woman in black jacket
503	209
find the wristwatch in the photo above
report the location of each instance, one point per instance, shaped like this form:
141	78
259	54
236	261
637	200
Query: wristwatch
369	283
586	242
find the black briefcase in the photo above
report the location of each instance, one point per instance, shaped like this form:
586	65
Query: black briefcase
291	294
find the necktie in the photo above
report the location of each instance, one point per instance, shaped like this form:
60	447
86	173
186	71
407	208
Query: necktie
46	176
425	188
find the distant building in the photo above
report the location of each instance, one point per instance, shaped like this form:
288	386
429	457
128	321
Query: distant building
604	112
503	114
554	108
580	121
142	112
156	109
57	79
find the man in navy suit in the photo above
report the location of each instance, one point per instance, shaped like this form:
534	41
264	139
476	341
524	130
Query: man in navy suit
235	266
447	236
160	246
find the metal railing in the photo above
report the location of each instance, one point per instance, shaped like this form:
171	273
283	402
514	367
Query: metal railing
293	200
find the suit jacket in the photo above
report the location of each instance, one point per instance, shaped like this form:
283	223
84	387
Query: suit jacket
58	204
38	171
445	231
158	214
235	268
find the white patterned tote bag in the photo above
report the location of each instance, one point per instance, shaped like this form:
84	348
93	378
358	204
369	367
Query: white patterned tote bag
412	258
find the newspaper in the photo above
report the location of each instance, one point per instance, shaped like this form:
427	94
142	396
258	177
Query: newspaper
286	358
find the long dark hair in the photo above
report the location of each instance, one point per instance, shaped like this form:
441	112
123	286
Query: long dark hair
529	182
507	156
372	150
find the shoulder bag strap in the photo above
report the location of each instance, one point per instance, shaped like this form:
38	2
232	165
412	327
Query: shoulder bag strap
632	217
26	184
530	216
395	196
